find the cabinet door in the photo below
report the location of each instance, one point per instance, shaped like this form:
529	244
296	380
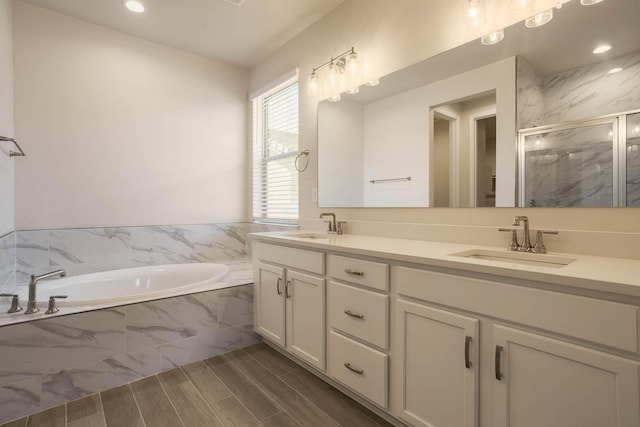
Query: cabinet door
305	317
439	356
551	383
270	302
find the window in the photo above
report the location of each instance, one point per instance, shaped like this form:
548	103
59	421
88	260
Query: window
275	146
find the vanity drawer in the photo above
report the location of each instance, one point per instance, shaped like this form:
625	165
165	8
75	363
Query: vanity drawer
366	273
300	259
359	367
359	312
609	323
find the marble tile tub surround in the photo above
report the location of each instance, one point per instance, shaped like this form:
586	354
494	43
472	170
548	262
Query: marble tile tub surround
88	250
52	361
7	262
580	242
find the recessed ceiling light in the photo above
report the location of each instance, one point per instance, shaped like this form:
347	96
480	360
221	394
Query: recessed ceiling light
334	98
492	38
589	2
540	19
374	82
134	6
235	2
614	70
602	48
353	90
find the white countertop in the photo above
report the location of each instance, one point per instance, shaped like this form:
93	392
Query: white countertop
612	275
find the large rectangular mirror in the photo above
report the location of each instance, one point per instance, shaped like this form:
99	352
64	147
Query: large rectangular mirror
460	129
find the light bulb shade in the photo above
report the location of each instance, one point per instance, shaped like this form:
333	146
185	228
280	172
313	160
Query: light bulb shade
589	2
492	38
518	4
353	63
312	84
540	19
474	13
333	74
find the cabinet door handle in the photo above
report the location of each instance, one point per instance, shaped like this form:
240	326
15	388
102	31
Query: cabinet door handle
352	369
467	349
499	375
286	288
350	314
278	286
354	272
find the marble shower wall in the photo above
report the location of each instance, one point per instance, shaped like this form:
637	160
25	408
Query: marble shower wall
51	361
88	250
7	262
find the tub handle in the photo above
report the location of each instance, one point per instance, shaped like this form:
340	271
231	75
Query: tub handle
15	302
52	304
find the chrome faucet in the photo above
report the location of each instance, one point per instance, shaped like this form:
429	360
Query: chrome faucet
31	304
334	227
526	238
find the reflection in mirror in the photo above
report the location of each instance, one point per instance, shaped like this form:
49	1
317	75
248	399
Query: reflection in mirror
408	125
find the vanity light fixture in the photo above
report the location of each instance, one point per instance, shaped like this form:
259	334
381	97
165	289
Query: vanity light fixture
134	6
474	13
590	2
540	19
492	38
346	63
602	49
614	70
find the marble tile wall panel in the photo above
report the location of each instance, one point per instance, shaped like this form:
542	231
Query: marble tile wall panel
20	399
203	346
45	346
80	381
529	96
7	262
89	250
590	92
51	361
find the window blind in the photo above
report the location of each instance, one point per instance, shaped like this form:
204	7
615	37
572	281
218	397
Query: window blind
275	146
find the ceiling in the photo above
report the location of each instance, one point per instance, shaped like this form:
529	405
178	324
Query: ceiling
240	35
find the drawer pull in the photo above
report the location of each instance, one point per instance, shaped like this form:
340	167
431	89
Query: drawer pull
354	272
286	289
357	371
499	375
278	286
467	345
350	314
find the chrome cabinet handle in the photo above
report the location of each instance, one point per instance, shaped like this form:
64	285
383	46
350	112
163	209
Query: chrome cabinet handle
499	375
286	288
467	348
350	314
278	286
352	369
354	273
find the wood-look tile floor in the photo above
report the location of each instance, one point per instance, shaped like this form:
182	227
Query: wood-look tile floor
254	386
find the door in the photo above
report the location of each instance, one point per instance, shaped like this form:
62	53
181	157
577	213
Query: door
439	356
551	383
306	320
270	302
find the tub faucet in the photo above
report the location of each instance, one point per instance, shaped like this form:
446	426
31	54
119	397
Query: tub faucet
31	304
526	238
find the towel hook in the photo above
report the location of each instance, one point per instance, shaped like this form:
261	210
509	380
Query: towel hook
13	153
306	165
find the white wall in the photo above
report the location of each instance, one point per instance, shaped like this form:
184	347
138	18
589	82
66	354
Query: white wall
121	131
391	35
6	118
342	129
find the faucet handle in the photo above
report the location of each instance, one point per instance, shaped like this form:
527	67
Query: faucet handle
329	226
15	303
52	304
539	246
340	227
513	244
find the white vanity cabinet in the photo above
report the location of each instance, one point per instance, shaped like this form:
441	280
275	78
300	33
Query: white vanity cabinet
290	300
358	319
531	370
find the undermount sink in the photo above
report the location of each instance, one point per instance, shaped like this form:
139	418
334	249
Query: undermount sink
523	258
309	236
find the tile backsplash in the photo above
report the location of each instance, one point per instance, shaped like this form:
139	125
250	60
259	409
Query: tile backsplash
88	250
